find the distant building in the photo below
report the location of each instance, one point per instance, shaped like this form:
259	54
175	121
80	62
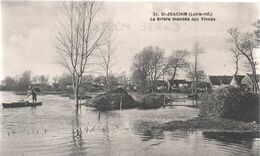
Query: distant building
176	85
203	86
68	86
157	85
225	80
93	86
160	85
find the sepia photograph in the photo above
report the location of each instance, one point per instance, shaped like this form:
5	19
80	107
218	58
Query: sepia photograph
129	78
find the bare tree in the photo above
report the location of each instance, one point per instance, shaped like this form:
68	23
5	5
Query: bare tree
149	65
55	79
177	60
107	53
257	33
64	80
43	81
24	81
159	66
201	75
141	71
78	39
236	55
8	84
197	50
246	44
123	80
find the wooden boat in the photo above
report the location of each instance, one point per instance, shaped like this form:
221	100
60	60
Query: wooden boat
20	104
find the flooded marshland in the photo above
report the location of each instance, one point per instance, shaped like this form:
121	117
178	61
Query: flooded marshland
56	129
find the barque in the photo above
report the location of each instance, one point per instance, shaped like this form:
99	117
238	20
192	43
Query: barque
21	104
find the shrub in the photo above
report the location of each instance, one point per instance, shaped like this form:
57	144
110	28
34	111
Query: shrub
229	102
151	101
250	107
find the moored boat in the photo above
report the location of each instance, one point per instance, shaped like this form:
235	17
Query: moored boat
21	104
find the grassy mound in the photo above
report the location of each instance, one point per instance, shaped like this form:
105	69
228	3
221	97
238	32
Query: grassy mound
231	103
112	100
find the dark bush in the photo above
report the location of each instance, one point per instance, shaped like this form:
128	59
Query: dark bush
151	101
250	107
229	102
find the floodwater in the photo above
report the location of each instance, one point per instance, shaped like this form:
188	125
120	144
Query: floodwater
55	129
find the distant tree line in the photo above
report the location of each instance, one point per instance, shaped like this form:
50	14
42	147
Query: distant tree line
18	83
60	83
24	81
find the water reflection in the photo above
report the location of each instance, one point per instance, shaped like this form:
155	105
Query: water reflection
78	138
77	132
236	142
147	130
149	134
106	129
231	137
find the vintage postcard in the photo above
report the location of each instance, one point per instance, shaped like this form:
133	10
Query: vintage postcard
129	78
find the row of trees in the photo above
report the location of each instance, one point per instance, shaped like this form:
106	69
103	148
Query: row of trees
19	83
60	83
23	82
151	65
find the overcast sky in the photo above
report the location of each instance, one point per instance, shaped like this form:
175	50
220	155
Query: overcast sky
28	34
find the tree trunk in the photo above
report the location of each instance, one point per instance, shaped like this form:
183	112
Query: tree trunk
107	81
173	77
254	79
76	96
174	74
192	90
76	93
144	87
153	85
236	67
196	74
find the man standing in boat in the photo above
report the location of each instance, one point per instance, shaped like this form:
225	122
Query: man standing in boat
34	95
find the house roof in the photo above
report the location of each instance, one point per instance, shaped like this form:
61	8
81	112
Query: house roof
224	79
